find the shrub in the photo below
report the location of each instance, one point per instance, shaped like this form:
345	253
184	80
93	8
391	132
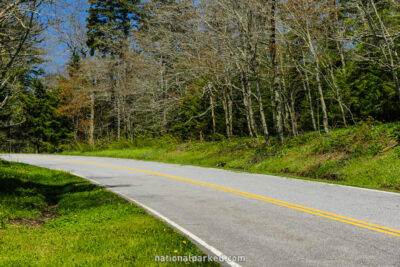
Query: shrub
3	218
395	133
397	151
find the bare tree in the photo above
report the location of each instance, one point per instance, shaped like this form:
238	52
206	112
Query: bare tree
19	35
384	34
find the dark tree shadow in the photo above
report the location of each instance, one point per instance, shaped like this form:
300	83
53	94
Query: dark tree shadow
52	193
117	186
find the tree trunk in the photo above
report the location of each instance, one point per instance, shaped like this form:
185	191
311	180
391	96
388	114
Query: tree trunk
91	129
309	98
214	123
75	123
390	44
251	113
321	96
340	46
319	84
306	86
226	111
118	107
338	97
276	75
286	115
262	113
246	105
339	42
388	41
293	115
250	103
228	95
230	110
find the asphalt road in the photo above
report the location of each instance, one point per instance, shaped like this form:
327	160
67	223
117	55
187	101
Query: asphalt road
272	221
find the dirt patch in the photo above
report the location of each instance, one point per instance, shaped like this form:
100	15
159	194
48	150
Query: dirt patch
390	146
390	187
48	214
287	170
324	176
311	173
221	164
332	177
336	156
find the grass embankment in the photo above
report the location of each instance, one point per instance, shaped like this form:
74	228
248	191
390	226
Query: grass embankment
52	218
367	155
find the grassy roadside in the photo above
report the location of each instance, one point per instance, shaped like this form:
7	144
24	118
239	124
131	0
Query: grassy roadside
367	155
52	218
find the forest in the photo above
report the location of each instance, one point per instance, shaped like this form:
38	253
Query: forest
194	70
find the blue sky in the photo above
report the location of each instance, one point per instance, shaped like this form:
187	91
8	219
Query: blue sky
57	52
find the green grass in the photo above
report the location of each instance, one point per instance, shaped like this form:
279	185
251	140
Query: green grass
366	155
52	218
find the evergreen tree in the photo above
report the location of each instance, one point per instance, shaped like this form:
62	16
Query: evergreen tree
42	128
37	127
109	24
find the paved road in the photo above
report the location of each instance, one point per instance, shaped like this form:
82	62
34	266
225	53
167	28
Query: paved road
272	221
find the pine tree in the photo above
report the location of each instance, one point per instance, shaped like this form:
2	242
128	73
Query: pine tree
109	24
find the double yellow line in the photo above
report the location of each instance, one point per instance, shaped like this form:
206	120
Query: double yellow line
329	215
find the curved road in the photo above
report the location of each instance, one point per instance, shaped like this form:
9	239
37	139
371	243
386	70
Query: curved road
272	221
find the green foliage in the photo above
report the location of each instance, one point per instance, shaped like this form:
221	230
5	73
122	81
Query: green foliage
395	133
368	92
397	151
3	218
141	141
40	128
366	139
109	24
190	124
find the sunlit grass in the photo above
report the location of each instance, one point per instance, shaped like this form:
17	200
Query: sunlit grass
85	226
365	156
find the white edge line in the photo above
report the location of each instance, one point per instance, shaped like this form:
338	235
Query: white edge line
171	223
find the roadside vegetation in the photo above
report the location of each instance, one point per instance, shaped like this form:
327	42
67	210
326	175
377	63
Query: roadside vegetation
274	87
52	218
367	155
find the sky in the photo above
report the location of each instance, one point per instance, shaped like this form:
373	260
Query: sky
57	52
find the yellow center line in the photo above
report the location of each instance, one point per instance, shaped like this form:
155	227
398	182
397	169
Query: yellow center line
329	215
